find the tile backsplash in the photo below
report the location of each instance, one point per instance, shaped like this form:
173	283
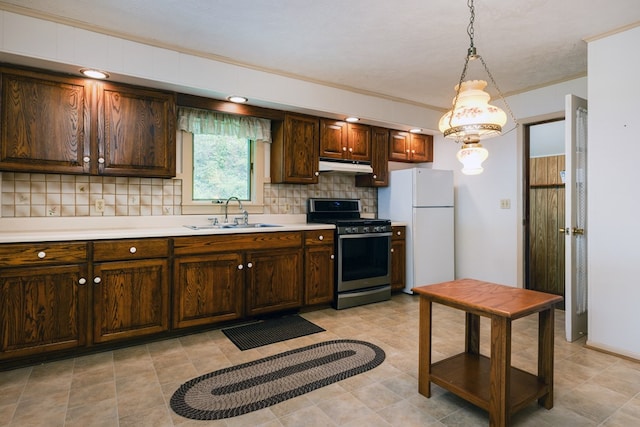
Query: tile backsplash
42	195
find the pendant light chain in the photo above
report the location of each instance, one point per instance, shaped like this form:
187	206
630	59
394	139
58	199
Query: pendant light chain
472	54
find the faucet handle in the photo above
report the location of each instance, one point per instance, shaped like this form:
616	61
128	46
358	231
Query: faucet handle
245	216
214	220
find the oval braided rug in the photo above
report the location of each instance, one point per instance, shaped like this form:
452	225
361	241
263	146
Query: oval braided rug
255	385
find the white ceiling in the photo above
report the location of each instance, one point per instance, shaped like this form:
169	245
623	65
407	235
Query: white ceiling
410	50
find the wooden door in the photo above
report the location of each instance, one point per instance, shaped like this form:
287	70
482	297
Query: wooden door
44	123
295	150
379	160
43	309
136	132
358	142
274	280
546	244
318	270
398	258
399	143
130	299
421	148
333	139
208	289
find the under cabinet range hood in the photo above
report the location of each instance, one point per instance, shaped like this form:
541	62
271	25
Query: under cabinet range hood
344	167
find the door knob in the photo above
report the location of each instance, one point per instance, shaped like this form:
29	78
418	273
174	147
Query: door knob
565	230
579	231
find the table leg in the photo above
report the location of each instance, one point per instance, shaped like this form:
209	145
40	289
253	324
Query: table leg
545	354
500	374
472	333
424	348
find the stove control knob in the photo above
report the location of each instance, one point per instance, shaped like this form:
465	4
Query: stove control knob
365	229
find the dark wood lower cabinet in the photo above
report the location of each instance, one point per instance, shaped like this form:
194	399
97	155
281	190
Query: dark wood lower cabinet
131	299
319	265
398	258
66	298
274	281
207	289
43	310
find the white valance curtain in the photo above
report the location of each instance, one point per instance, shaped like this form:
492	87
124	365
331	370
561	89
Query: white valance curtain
207	122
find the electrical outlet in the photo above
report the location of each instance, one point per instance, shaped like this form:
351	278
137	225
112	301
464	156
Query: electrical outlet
505	203
99	205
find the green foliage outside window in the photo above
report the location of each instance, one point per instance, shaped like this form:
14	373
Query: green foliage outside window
221	167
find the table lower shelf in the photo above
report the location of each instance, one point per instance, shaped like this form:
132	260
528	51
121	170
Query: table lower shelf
467	375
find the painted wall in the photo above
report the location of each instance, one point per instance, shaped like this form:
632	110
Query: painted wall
613	194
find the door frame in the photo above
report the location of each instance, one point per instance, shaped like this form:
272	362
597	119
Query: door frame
523	188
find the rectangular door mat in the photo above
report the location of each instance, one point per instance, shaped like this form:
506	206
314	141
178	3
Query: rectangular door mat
270	331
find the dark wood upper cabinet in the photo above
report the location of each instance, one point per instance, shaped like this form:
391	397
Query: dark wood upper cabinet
294	150
44	122
410	147
60	124
136	132
345	141
379	160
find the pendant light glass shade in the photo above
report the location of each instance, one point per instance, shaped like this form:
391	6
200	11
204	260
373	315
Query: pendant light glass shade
472	117
472	156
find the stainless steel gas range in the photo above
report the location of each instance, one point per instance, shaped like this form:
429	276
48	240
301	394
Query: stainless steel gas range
363	248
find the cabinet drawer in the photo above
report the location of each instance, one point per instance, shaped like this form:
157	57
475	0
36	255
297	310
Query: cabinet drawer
398	232
111	250
236	242
12	255
318	237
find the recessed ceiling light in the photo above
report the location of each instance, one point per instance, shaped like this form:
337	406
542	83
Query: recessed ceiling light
94	74
352	119
415	130
237	99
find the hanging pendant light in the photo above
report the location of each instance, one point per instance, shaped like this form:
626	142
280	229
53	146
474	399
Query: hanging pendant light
472	118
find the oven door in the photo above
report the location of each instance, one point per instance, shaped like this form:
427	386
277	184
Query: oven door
363	261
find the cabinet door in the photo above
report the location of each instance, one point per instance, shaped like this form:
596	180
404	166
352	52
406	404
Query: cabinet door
421	148
333	139
399	146
136	132
318	270
43	309
359	142
295	150
45	123
208	289
130	299
398	258
274	280
379	160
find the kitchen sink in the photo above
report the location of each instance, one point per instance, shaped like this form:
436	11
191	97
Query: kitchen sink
226	226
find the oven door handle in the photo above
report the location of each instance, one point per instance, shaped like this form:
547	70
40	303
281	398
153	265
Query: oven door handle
360	236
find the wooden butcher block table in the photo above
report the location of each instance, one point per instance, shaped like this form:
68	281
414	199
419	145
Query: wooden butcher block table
488	382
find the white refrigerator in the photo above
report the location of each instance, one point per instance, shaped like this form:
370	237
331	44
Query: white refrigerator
423	199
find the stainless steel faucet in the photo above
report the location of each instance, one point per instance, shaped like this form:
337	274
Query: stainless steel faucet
226	208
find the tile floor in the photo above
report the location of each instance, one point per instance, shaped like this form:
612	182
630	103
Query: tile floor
131	386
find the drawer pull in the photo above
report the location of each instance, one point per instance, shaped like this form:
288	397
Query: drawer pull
133	249
240	267
101	160
249	264
392	250
42	254
97	280
399	233
332	256
82	281
86	159
321	237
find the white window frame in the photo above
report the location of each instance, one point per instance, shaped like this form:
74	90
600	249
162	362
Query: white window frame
184	171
